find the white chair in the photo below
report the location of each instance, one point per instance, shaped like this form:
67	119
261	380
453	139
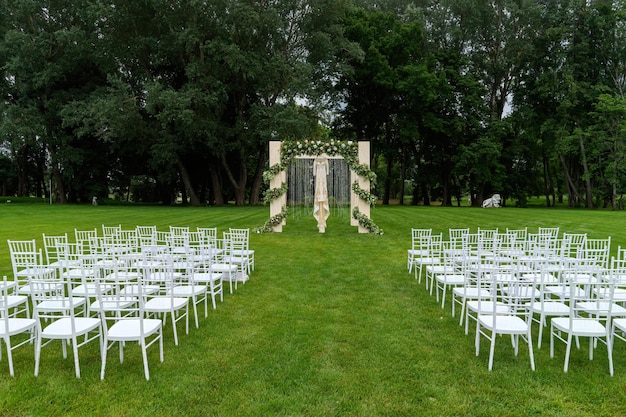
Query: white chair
10	325
416	243
203	274
469	261
504	313
56	318
164	302
82	279
186	286
485	297
590	311
245	251
123	316
237	252
26	260
224	265
545	306
447	275
430	253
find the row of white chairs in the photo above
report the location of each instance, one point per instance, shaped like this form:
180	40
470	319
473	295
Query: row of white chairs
505	284
115	287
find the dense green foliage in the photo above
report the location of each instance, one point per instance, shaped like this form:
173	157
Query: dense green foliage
329	324
159	99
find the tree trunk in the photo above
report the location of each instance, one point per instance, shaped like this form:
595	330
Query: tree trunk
571	187
184	174
255	189
545	179
216	184
58	179
587	176
402	178
425	195
239	185
387	192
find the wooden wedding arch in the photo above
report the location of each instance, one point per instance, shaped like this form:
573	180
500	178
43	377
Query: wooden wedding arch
356	202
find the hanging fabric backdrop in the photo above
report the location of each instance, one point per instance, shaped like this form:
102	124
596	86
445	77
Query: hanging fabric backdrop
301	187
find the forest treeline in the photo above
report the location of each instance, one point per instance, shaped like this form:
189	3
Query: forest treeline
158	100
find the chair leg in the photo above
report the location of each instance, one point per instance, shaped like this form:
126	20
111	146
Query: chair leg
567	352
609	348
103	357
144	355
195	312
7	343
174	328
542	319
477	339
37	354
492	349
530	350
76	361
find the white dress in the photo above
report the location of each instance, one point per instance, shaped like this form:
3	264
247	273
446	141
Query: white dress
320	207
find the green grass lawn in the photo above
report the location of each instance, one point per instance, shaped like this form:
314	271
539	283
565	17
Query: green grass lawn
329	324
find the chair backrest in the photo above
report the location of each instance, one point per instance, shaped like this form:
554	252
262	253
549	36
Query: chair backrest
146	235
110	231
553	232
82	238
470	242
418	236
163	237
571	243
521	233
161	275
193	240
22	246
179	241
455	236
68	254
45	286
596	251
50	244
488	238
208	235
127	238
243	235
24	255
621	253
178	230
506	247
